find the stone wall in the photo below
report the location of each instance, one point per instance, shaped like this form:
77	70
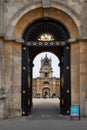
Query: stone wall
10	8
11	78
75	75
38	86
83	76
15	16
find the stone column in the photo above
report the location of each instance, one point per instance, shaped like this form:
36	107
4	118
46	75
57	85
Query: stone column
83	76
75	75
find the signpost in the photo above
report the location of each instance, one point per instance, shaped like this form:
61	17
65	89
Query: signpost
75	111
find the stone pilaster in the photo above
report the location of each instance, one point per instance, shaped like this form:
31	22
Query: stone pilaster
12	77
16	79
83	77
75	78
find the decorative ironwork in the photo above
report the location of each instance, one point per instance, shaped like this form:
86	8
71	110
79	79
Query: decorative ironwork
62	59
24	92
61	36
24	68
39	30
62	80
62	101
65	90
67	67
46	43
26	81
68	111
67	48
24	48
46	37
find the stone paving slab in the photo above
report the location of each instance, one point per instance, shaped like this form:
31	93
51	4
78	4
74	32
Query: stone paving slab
45	120
25	124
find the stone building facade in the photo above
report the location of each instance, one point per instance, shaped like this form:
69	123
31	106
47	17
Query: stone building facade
15	16
46	85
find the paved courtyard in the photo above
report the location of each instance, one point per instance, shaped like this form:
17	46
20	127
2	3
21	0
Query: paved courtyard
45	116
45	108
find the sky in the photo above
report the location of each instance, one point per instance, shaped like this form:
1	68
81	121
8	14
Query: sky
37	64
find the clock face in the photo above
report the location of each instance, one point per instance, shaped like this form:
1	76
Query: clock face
45	70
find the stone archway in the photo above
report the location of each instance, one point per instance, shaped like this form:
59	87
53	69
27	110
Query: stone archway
53	13
71	26
72	22
32	46
60	7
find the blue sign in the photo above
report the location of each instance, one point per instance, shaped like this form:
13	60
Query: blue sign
75	110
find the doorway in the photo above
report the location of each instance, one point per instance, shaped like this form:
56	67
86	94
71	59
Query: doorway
46	35
46	92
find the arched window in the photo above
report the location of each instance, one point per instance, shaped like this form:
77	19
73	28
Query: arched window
46	82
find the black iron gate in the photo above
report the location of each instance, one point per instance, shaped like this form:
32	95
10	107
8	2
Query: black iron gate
26	81
65	89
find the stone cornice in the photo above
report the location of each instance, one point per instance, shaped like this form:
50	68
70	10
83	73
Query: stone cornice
12	39
71	40
76	39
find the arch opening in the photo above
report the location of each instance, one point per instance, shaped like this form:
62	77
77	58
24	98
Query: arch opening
37	63
45	71
59	33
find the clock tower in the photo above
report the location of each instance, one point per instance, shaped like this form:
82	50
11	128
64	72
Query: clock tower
46	68
46	85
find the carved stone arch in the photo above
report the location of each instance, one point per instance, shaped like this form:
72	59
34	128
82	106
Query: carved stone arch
11	31
75	17
16	17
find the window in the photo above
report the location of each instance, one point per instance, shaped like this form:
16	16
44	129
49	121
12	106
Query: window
46	74
46	82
